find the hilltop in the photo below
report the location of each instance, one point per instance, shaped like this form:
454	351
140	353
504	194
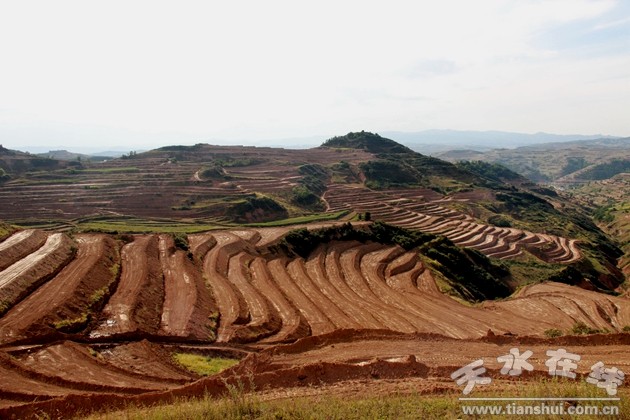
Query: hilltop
367	141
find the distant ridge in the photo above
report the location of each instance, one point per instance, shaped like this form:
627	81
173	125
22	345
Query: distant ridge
427	141
431	141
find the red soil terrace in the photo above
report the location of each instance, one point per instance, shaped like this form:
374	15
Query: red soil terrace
91	320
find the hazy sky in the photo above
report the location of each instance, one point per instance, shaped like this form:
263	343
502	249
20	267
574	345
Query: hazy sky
121	73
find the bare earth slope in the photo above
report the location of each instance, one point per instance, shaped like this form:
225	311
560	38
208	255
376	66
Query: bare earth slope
358	311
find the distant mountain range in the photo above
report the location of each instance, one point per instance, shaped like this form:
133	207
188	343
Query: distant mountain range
428	142
435	141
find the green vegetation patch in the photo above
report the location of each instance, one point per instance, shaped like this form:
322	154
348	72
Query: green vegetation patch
399	166
122	170
580	328
382	174
257	208
531	212
214	172
72	325
193	148
343	172
135	225
528	269
574	164
302	219
606	170
4	176
226	161
553	332
491	171
366	141
5	230
312	185
204	365
181	241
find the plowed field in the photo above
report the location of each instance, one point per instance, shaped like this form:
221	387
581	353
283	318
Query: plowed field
90	320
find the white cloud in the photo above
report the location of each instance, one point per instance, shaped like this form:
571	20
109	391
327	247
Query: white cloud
286	68
612	24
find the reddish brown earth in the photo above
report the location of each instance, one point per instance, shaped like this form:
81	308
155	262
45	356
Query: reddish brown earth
355	360
160	183
19	246
359	312
428	211
137	303
25	275
187	303
68	295
170	184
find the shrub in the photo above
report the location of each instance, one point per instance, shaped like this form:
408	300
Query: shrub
4	176
499	221
181	241
72	325
553	332
580	328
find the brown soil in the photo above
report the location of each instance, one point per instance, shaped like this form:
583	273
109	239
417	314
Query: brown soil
430	212
352	361
69	296
20	245
187	302
363	313
147	360
21	278
136	306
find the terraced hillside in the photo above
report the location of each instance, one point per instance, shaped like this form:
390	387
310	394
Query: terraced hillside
195	188
98	314
594	174
425	210
179	182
